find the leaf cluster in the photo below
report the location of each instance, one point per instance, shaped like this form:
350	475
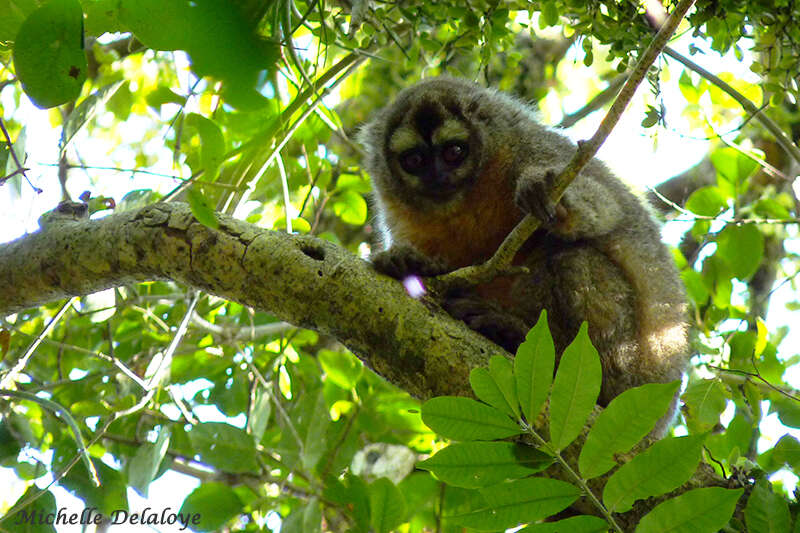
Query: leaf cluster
499	471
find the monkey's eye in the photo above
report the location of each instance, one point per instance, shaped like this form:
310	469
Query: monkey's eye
454	153
413	160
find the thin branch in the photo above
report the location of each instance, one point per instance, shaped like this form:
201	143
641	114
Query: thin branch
502	258
237	333
745	376
594	104
346	66
574	475
285	188
780	136
20	169
5	383
735	221
63	413
189	180
60	475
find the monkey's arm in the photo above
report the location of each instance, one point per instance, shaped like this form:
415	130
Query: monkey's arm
402	260
592	205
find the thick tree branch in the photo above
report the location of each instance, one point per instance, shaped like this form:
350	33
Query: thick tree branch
303	280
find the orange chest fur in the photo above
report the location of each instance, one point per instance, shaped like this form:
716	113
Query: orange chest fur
468	233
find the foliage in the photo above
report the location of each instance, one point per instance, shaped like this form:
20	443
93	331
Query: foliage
658	470
249	107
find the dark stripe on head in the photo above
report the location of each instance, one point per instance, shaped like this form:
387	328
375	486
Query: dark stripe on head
427	118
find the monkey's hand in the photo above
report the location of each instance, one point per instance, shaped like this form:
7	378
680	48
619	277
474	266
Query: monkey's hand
532	195
589	207
488	319
402	260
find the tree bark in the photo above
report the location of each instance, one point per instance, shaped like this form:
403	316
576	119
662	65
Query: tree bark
303	280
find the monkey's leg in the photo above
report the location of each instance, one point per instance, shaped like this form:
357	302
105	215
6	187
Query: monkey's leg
487	318
589	286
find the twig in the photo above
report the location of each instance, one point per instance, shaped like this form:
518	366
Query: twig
20	168
347	65
285	188
5	383
780	136
60	475
574	475
501	260
235	333
594	104
745	375
191	179
65	415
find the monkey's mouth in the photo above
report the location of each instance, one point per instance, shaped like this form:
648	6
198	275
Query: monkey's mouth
441	191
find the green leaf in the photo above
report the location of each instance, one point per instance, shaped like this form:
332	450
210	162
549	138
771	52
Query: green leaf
100	16
687	88
387	506
766	512
147	19
14	14
707	202
201	208
616	431
10	445
502	374
549	13
480	464
86	110
663	467
48	53
43	505
212	144
350	207
466	419
787	452
704	400
732	165
110	496
575	524
695	286
259	413
651	118
487	390
341	367
524	500
304	519
143	467
575	389
697	511
224	446
210	506
351	492
742	248
163	95
533	368
311	420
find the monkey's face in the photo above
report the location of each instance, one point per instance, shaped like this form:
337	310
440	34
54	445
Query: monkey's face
431	146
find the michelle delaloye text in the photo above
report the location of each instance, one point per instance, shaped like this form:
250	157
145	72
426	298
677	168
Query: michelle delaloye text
147	517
